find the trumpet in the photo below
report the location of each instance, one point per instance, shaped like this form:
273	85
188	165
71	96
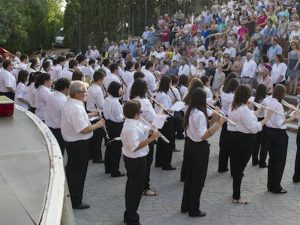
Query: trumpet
154	128
219	113
261	106
157	103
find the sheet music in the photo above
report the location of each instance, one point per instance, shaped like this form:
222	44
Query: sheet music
159	121
178	106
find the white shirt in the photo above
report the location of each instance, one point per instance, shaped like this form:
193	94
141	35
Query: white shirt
209	94
277	70
226	100
41	96
55	103
244	119
184	70
163	98
276	121
133	133
74	119
57	72
183	90
7	80
193	71
150	80
174	94
231	52
128	77
147	108
68	73
113	110
21	92
31	95
107	71
249	69
87	71
94	97
197	125
110	78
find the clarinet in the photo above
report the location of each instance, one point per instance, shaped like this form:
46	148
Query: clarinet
104	128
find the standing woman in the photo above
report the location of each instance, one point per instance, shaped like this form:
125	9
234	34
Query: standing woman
196	150
43	84
114	117
242	135
164	150
278	71
227	97
21	96
32	91
293	70
278	140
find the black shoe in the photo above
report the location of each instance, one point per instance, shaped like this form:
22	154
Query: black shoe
118	174
184	210
176	150
199	214
169	168
296	180
254	163
81	206
282	191
222	170
263	166
180	136
157	165
98	161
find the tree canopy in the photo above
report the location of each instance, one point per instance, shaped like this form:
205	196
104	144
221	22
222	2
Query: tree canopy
29	25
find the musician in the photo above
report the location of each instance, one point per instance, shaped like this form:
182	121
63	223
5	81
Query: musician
76	130
241	134
68	73
113	114
164	150
278	140
173	92
55	103
227	97
7	80
136	75
21	97
209	95
112	76
43	84
183	86
106	65
95	102
196	151
135	137
149	77
58	68
32	91
139	93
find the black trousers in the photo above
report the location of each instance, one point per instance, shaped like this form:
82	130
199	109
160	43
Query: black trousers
183	172
96	143
278	140
178	119
164	150
296	177
59	138
256	145
197	154
9	95
149	160
224	149
136	170
240	152
264	149
76	168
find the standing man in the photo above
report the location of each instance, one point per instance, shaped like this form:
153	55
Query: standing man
7	80
184	69
248	70
76	130
55	103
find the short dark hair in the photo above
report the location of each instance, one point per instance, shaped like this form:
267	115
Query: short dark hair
99	75
279	92
106	62
61	84
113	67
80	58
69	55
129	65
92	61
32	77
22	76
33	62
77	75
72	63
6	63
46	64
280	57
113	89
138	75
41	78
43	54
131	108
23	57
60	59
183	80
148	65
139	89
204	79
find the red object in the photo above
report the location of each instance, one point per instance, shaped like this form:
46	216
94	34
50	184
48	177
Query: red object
6	106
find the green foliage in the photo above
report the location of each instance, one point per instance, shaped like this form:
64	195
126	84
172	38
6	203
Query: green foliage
28	25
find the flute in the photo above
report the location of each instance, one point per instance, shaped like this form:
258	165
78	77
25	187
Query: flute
261	106
154	128
104	128
219	113
290	106
156	103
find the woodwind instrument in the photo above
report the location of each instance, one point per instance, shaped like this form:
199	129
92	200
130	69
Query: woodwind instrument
219	113
154	128
261	106
104	128
157	103
290	106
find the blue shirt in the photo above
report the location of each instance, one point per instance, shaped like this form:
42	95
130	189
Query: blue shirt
273	51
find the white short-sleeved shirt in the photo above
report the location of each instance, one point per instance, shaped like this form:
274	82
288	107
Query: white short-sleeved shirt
7	80
197	125
174	94
67	73
276	120
150	80
21	92
277	70
41	96
31	95
74	119
57	72
113	110
55	103
226	100
209	94
183	90
148	110
244	119
133	133
94	97
163	98
110	78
